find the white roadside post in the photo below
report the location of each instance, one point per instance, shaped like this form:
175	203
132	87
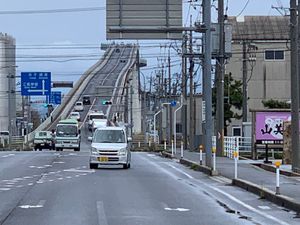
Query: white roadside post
201	151
172	148
214	158
277	164
181	150
236	157
154	126
174	123
165	145
149	142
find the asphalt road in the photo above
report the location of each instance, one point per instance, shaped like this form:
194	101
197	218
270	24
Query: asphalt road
50	188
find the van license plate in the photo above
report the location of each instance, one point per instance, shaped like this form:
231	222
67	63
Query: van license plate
103	159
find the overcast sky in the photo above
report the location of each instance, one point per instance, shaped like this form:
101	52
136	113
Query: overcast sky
85	30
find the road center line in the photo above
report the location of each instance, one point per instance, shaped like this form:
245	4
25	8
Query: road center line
101	214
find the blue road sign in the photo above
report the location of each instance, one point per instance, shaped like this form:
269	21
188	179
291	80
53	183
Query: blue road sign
35	83
55	97
173	103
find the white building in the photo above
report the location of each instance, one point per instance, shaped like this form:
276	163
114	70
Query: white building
7	83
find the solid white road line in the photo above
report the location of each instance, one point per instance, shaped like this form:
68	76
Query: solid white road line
210	187
101	214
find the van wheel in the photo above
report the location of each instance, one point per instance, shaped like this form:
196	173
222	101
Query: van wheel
126	166
93	166
76	149
57	149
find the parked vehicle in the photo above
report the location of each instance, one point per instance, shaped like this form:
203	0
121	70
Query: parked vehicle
110	146
67	135
86	100
78	106
43	140
75	115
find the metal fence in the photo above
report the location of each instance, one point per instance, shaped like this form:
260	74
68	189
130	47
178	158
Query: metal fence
239	144
17	143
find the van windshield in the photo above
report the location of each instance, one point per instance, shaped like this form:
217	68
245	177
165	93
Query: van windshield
109	136
66	131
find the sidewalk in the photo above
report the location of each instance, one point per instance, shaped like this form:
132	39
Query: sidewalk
251	176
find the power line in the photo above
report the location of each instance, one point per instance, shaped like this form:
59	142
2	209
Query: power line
49	11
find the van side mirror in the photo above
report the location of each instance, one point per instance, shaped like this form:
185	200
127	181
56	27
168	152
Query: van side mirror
90	138
129	139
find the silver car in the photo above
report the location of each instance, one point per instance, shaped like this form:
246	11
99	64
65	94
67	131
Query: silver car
110	146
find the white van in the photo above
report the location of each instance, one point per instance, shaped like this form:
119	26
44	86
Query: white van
110	146
94	115
78	106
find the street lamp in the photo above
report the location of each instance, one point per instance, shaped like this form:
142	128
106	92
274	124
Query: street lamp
154	120
144	108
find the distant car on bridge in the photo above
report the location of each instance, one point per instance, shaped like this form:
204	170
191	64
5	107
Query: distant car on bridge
75	115
78	106
86	100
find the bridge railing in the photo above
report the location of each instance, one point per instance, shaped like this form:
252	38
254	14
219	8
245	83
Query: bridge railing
62	110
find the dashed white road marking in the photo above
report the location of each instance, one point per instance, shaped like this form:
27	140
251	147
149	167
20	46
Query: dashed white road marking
101	213
39	205
9	155
177	209
5	189
79	171
59	162
264	207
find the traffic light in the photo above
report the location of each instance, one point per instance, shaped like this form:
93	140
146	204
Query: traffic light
106	102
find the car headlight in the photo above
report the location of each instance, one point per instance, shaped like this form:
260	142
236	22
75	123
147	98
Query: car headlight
122	151
94	151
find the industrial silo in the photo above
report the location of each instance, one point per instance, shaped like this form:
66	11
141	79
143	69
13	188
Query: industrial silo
7	83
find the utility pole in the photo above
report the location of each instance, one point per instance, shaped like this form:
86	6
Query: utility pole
220	81
170	111
207	83
184	90
191	70
131	110
245	74
294	85
9	111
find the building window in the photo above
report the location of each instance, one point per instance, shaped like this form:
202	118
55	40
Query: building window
178	128
274	55
236	131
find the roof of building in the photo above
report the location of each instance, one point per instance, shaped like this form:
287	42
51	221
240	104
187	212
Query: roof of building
260	28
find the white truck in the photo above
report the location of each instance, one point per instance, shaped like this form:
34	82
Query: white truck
67	135
110	146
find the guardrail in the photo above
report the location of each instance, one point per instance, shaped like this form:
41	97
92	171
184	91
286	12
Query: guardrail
62	110
126	71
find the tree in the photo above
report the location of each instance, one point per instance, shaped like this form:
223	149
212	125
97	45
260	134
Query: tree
275	104
233	99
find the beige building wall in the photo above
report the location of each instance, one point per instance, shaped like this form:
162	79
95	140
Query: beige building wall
270	79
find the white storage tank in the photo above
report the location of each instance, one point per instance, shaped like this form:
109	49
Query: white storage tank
7	81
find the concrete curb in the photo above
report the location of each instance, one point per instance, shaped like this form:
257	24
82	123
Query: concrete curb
272	169
193	165
280	200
